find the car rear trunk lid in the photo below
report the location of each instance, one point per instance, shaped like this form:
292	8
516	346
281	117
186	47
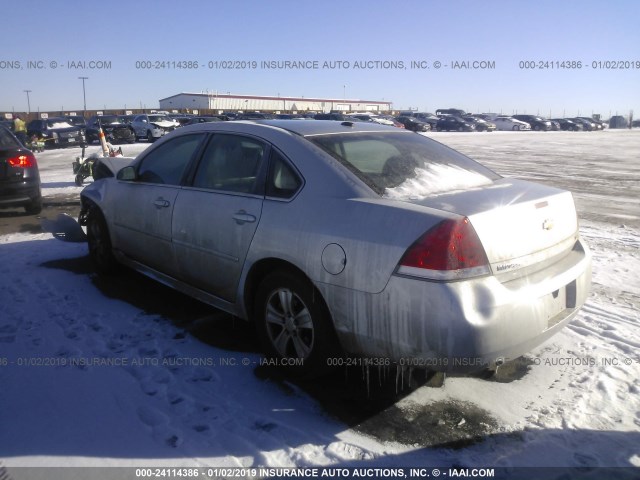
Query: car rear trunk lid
520	224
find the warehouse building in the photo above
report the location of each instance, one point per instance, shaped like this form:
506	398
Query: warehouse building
228	102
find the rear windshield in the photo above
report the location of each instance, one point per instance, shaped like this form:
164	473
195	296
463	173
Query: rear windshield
404	166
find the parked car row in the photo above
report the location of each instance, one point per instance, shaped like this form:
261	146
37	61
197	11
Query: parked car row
74	130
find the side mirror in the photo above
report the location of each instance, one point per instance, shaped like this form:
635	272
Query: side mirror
127	174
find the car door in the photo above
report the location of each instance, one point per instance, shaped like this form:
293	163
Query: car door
215	219
143	207
140	125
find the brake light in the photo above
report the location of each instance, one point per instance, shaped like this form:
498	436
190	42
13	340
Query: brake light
24	160
448	251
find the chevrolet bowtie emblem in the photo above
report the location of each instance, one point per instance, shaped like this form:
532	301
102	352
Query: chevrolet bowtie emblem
547	224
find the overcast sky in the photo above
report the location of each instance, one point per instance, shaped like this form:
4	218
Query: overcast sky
376	41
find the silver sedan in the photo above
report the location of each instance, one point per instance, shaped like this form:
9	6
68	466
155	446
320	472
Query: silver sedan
346	238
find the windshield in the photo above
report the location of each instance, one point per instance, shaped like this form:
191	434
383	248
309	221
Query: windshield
404	166
58	123
75	120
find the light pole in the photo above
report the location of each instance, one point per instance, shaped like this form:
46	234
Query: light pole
28	103
84	96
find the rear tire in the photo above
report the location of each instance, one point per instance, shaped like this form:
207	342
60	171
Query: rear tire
294	325
99	241
150	137
35	207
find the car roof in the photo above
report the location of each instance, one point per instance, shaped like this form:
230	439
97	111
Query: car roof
321	127
300	127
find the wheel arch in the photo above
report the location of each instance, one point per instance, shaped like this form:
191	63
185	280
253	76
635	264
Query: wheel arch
257	274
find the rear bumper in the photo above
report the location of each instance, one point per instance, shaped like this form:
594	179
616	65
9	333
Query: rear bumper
18	194
461	326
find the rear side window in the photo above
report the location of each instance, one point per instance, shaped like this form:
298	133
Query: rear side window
283	181
7	140
166	164
404	166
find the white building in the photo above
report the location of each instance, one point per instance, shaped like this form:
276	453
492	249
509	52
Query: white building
215	101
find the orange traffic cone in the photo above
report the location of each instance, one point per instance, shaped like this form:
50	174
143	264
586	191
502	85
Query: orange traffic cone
103	143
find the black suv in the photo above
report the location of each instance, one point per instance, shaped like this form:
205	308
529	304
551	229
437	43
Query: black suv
19	175
56	132
537	123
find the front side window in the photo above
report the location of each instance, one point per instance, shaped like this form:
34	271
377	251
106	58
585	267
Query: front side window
400	165
167	163
230	163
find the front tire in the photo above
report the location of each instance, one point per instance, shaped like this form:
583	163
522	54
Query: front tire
294	325
150	137
100	249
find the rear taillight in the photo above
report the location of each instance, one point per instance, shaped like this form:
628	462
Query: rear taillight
23	160
450	250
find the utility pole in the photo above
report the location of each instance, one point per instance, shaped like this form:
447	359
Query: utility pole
28	103
84	96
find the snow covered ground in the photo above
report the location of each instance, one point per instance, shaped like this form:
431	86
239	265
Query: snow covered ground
125	372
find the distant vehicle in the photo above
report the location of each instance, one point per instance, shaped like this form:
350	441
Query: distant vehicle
182	120
287	116
114	127
509	123
597	124
427	117
19	175
254	116
555	125
486	116
635	123
372	117
413	124
335	116
618	121
537	123
587	125
393	120
196	120
480	124
176	116
569	125
451	111
153	126
56	132
450	123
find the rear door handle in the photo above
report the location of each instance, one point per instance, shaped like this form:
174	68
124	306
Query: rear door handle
243	217
161	203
